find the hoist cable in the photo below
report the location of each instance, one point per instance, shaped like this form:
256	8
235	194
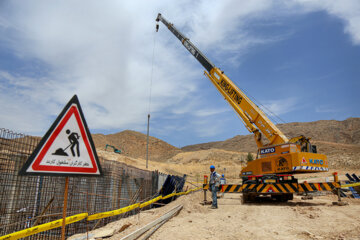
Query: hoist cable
152	72
150	92
270	114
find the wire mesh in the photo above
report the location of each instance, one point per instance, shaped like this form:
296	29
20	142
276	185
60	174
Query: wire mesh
27	201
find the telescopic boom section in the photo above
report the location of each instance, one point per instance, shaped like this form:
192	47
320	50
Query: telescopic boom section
252	116
188	45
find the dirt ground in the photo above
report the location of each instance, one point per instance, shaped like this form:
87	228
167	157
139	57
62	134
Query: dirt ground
297	219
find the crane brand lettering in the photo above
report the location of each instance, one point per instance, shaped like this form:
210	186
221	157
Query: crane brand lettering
190	48
230	91
316	161
267	150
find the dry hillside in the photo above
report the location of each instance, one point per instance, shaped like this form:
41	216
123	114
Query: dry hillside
194	164
346	132
339	140
133	144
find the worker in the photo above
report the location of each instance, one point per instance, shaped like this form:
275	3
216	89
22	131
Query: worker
222	183
214	186
74	142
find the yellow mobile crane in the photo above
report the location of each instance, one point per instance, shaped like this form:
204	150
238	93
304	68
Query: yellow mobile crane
276	160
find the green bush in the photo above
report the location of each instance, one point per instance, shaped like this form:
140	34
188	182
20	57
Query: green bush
249	157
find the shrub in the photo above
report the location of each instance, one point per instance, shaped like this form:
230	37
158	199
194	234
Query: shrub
249	157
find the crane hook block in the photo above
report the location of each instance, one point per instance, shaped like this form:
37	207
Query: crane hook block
157	27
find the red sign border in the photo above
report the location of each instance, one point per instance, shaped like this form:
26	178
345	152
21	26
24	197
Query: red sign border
72	107
36	165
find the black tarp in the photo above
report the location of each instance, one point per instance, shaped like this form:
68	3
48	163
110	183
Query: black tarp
171	184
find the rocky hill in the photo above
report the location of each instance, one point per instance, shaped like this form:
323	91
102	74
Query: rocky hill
346	132
133	144
339	140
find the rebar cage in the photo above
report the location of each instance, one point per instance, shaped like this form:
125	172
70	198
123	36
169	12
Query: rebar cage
27	201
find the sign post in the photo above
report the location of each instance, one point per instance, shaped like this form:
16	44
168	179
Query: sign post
65	208
67	149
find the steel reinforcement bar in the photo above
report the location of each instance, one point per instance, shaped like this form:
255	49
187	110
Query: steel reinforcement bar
58	223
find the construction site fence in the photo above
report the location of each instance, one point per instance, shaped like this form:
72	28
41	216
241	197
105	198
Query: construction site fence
29	201
69	220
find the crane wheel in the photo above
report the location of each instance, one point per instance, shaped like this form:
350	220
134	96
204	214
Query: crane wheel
283	197
248	197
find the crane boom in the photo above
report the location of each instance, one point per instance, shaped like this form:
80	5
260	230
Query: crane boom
252	116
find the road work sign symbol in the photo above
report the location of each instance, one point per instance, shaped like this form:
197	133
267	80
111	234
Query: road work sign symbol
73	138
66	149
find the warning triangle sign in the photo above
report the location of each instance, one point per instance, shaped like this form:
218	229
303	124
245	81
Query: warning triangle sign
67	148
270	190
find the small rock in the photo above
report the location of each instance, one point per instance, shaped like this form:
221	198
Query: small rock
104	233
341	237
342	203
308	233
311	216
125	226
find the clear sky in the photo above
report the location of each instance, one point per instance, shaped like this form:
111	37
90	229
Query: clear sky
300	59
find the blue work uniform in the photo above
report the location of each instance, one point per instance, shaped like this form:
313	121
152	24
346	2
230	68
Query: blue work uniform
214	186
